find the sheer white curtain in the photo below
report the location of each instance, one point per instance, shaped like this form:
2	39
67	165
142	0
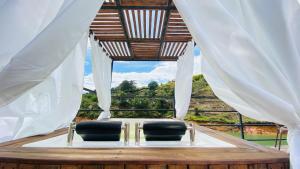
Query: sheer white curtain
21	22
252	57
102	78
50	105
38	36
183	81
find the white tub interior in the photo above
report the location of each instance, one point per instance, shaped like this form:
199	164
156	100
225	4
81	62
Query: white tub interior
202	140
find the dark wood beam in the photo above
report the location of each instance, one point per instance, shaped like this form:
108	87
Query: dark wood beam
122	18
138	7
165	26
126	58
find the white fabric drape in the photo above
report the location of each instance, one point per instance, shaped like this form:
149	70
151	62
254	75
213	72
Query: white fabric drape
251	55
35	40
101	65
184	81
50	105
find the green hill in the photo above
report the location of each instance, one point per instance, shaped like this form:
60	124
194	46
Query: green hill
129	101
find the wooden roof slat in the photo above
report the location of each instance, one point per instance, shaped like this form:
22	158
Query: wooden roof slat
107	15
144	22
118	49
163	49
122	18
139	22
109	38
115	19
105	26
150	24
106	23
155	20
178	48
173	49
104	11
181	50
166	49
170	49
141	29
112	48
128	25
133	12
113	31
145	3
105	47
164	29
177	24
123	48
162	12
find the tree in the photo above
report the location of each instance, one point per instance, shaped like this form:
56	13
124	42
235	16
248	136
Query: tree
153	85
127	86
166	89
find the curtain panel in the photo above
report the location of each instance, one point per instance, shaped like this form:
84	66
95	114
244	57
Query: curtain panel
50	34
102	67
50	105
184	81
42	53
251	55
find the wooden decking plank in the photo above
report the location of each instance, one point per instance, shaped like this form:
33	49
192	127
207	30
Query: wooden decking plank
49	166
71	167
28	166
113	166
198	166
8	165
156	166
238	166
219	166
135	166
177	166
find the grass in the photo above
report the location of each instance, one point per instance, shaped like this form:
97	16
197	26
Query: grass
259	136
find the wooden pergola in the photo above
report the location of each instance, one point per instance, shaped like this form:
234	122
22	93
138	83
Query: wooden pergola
141	30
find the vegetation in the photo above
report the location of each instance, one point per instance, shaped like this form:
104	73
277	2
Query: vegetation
159	99
129	101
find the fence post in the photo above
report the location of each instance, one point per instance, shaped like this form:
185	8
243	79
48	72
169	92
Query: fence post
241	125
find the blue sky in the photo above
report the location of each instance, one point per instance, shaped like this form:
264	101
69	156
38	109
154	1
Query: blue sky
142	72
133	66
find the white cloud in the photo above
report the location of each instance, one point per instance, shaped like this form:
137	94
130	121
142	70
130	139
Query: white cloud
162	73
124	62
89	82
197	65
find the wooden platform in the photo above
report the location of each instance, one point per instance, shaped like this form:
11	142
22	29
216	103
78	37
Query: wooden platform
245	156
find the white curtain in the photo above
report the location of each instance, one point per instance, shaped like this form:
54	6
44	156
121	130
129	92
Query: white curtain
50	105
184	81
101	65
251	55
36	37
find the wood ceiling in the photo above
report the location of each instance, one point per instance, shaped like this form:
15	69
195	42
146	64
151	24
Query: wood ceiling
140	30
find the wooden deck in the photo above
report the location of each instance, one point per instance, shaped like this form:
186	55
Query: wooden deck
245	156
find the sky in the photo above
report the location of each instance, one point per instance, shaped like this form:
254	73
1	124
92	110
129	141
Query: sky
142	72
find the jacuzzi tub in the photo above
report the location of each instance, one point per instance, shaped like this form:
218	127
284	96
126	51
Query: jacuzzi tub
201	140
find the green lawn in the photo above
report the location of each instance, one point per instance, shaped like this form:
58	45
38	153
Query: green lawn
259	136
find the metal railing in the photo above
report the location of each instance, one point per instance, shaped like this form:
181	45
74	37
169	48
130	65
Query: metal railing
240	125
